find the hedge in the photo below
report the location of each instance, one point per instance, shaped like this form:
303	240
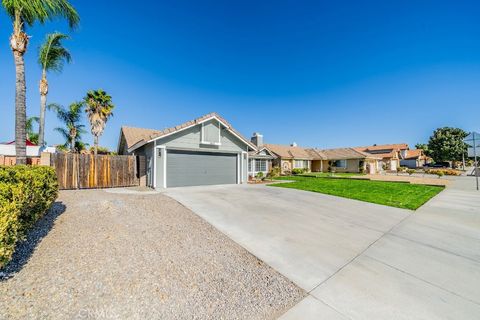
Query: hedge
26	193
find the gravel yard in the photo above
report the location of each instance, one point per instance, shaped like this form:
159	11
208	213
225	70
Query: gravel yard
103	255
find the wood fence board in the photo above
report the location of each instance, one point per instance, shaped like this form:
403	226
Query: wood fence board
84	171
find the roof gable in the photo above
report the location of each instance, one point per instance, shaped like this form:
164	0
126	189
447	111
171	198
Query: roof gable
157	134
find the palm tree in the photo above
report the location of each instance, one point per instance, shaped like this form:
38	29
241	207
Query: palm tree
31	134
26	13
51	57
99	108
73	130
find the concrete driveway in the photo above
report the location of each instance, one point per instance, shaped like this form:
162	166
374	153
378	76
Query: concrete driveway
357	260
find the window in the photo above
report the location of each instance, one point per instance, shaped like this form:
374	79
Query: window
301	164
260	165
250	165
341	163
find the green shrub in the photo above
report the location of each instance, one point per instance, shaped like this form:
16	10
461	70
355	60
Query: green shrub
447	172
298	171
26	193
259	175
410	171
401	169
274	172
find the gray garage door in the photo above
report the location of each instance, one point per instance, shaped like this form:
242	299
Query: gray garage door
187	168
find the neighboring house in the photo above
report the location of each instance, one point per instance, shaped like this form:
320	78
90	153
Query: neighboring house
391	154
8	149
316	160
260	160
345	160
415	159
204	151
291	157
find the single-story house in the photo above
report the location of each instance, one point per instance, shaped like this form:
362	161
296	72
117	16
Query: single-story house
316	160
261	159
415	159
203	151
345	160
391	154
289	157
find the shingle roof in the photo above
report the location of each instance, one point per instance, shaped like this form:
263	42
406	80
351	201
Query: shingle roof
144	135
346	153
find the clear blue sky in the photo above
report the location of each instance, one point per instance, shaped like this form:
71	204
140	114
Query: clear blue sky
321	73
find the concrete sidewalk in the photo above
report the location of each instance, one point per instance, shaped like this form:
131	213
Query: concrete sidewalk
426	267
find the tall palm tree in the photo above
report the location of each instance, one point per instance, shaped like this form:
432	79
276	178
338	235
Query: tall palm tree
51	57
99	108
25	13
31	134
71	116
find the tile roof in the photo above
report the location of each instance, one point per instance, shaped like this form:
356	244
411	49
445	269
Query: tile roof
145	135
346	153
384	150
395	146
133	135
415	154
289	152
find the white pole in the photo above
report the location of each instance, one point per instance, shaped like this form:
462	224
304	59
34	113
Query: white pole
475	158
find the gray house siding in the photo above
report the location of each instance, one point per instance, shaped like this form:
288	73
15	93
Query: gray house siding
200	138
191	139
147	151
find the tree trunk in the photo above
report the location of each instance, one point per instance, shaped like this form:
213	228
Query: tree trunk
20	109
95	144
72	144
18	44
43	105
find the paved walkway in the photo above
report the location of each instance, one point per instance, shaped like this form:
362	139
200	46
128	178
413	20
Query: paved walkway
426	267
357	260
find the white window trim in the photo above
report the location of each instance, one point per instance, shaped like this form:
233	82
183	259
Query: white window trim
164	164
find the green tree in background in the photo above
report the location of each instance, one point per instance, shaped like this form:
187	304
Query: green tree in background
424	147
32	135
446	144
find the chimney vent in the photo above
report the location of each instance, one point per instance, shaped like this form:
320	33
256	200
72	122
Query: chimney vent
294	144
257	139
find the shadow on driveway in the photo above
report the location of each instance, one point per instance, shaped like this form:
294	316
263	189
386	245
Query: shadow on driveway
25	249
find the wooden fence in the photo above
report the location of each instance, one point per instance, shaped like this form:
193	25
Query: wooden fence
85	171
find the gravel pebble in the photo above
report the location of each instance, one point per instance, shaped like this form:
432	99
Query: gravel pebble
103	255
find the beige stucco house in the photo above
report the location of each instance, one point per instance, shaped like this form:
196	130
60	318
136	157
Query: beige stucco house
390	154
327	160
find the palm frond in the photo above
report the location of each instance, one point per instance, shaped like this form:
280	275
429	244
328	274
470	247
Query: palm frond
31	11
52	55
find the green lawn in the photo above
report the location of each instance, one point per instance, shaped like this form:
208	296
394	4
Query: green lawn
394	194
335	175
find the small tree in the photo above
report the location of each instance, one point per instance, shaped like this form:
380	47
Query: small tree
71	118
51	57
